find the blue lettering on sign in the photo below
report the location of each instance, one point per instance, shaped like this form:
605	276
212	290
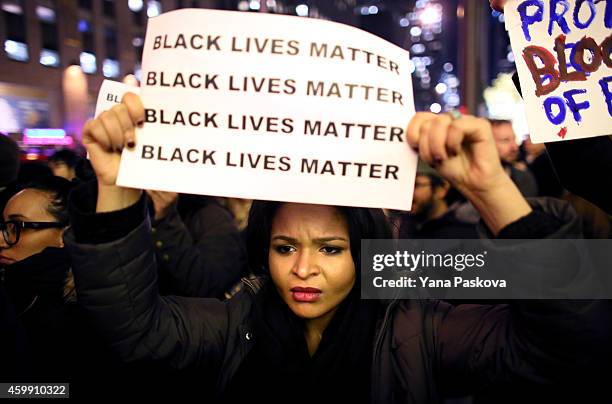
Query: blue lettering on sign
605	88
573	105
572	57
558	17
526	19
548	104
588	22
557	12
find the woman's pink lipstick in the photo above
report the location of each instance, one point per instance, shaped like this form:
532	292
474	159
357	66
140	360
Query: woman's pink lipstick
305	295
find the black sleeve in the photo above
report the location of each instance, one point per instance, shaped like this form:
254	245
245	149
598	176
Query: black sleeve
90	227
203	256
537	224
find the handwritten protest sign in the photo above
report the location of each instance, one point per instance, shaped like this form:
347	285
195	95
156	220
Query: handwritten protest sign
273	107
562	50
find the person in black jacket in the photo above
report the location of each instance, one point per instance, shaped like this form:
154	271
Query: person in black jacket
37	273
301	333
199	249
54	341
430	216
63	163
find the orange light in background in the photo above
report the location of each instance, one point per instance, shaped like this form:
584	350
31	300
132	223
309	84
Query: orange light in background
460	11
76	104
31	156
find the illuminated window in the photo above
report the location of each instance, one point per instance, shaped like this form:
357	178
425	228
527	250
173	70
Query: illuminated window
49	58
135	5
154	8
45	14
12	7
88	62
49	53
87	57
15	44
16	50
110	68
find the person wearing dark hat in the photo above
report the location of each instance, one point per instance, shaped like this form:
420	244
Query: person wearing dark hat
430	216
63	163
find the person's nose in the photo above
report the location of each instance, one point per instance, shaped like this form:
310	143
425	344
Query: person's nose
306	265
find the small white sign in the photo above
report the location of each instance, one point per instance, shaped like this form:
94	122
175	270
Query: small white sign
111	93
272	107
562	52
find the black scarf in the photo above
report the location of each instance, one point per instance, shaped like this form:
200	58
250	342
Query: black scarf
280	369
40	276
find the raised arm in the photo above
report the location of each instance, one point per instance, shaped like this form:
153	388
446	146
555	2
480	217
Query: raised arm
526	340
114	263
462	150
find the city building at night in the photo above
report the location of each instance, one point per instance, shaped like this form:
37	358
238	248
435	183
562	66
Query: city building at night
56	53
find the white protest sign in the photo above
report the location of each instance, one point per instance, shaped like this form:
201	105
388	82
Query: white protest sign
111	93
562	51
273	107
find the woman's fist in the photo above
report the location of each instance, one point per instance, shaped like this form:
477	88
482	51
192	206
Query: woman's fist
462	150
105	136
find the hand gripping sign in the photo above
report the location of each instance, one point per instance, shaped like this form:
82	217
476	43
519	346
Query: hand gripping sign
562	51
273	107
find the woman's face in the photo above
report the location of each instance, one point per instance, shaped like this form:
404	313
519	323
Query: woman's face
310	259
29	205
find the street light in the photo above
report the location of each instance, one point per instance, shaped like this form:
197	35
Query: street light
430	15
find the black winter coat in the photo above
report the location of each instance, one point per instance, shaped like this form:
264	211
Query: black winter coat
424	349
200	253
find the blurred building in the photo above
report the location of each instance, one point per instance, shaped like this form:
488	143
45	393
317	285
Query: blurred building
56	53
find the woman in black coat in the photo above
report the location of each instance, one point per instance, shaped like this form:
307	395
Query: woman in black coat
301	333
53	339
37	272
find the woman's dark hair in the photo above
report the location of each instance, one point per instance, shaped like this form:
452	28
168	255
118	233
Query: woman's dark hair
363	223
58	189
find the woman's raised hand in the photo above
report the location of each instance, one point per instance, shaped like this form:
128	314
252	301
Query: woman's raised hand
105	136
463	151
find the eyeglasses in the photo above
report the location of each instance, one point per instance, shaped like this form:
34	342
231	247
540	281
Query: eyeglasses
11	229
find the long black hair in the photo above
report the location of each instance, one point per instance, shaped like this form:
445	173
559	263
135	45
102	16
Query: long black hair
363	223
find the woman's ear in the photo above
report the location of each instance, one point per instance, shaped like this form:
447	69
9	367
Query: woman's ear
61	236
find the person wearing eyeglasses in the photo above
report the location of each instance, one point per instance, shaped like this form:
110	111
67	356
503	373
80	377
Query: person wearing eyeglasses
31	247
36	268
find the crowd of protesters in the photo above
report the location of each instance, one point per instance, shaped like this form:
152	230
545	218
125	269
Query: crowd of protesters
123	291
